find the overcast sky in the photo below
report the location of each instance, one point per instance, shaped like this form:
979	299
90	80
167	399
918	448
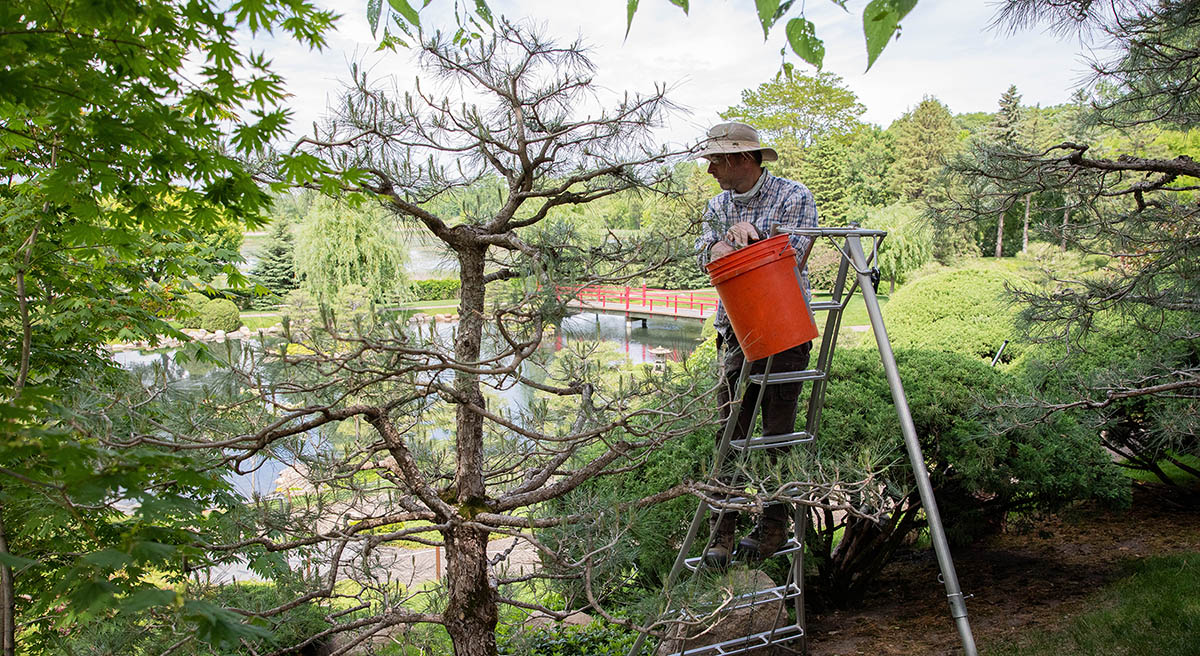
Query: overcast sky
707	58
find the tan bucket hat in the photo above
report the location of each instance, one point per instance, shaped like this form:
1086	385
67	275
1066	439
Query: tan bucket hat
733	137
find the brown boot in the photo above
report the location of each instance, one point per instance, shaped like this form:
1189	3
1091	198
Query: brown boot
768	536
720	548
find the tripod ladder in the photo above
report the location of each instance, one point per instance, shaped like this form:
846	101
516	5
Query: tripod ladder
787	634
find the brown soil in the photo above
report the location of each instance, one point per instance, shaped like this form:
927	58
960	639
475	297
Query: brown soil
1033	577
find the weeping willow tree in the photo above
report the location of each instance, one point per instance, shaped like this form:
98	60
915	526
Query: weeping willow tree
341	244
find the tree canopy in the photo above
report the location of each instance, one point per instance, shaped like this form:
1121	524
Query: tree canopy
122	127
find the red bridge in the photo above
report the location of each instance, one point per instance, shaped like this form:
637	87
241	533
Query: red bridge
642	301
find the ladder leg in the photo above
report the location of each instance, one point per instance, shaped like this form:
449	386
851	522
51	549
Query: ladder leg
941	547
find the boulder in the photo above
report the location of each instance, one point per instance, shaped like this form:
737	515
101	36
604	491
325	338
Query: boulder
539	619
733	622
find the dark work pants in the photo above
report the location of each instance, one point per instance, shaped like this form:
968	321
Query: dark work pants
779	404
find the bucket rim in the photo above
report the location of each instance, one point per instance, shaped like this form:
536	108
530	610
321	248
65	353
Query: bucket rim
719	276
758	249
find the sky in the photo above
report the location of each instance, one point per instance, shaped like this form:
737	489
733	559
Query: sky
707	57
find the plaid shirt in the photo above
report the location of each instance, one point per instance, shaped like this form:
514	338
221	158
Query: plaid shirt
776	201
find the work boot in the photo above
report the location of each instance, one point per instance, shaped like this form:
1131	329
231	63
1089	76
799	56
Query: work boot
720	548
768	535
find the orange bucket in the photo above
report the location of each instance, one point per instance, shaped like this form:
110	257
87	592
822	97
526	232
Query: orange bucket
760	289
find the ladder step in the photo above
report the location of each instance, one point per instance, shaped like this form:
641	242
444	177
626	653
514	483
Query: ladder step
746	643
824	305
748	600
790	547
781	377
771	441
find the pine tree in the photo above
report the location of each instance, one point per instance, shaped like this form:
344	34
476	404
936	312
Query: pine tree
1006	126
277	268
923	138
1005	130
823	171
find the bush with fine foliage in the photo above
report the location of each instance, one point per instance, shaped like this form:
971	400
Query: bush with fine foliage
220	314
435	289
1147	431
979	475
963	310
595	639
188	312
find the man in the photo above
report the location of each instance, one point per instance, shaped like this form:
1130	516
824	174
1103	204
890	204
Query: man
752	202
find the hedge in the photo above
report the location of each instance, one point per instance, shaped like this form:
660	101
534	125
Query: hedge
435	289
220	314
965	310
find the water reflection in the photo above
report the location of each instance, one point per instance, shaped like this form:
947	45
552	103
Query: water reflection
636	338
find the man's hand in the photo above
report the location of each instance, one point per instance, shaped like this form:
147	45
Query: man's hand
738	235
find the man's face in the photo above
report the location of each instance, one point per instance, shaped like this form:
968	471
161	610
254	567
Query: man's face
730	169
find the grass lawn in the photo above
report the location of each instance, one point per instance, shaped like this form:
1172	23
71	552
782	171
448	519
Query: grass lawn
1179	476
259	323
1155	610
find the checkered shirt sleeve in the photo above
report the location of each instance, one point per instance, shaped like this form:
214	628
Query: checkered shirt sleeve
778	201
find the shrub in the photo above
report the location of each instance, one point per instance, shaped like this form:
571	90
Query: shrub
979	475
435	289
595	639
965	310
1145	430
1059	261
189	311
220	314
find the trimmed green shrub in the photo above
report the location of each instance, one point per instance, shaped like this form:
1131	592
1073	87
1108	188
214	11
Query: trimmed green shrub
1150	432
980	474
188	310
435	289
220	314
965	310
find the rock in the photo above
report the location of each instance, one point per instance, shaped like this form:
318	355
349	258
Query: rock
293	480
219	335
734	623
538	619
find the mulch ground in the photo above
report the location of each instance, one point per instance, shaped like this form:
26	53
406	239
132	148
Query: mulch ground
1032	577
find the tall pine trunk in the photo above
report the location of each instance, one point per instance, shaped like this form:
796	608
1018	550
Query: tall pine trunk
1000	232
1025	227
471	609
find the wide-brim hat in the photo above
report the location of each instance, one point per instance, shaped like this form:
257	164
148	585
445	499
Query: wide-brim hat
726	138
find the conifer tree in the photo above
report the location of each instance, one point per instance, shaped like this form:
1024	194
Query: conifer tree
923	137
277	268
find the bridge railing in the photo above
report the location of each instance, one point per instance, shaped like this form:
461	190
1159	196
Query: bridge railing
645	299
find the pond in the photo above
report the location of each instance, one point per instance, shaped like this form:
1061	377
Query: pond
678	336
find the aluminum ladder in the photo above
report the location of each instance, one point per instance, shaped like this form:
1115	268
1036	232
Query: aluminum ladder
791	636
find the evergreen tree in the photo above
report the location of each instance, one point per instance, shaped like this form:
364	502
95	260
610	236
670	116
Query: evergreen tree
869	158
823	170
277	268
1004	131
1006	125
923	138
